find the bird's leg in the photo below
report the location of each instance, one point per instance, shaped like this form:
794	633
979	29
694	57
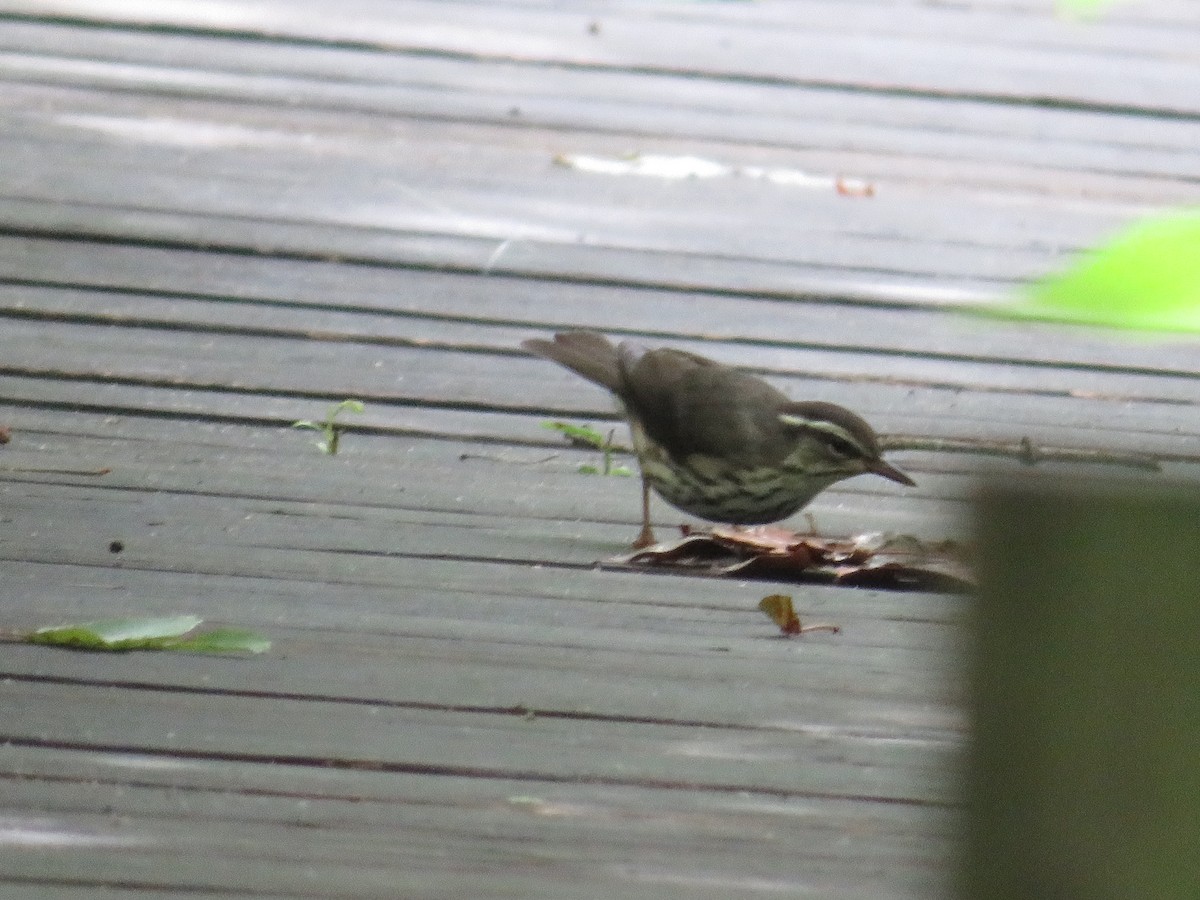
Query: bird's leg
645	537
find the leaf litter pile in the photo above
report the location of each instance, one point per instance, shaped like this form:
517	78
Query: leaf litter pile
872	560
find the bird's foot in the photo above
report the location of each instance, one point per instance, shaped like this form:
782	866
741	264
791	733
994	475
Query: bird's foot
645	538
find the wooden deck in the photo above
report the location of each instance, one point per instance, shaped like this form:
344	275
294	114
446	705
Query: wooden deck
216	219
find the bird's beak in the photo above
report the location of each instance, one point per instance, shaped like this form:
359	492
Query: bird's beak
890	472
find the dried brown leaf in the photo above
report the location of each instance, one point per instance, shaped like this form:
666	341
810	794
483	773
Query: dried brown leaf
873	559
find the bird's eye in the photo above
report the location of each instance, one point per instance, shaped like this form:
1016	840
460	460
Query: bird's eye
841	447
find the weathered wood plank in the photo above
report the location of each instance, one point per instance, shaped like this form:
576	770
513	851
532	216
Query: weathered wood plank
818	844
209	372
472	636
851	128
377	191
133	285
363	515
935	55
490	604
482	444
890	232
547	207
331	172
369	554
474	254
270	730
213	456
407	375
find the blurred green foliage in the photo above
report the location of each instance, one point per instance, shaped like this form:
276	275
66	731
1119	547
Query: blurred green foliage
1147	278
1084	8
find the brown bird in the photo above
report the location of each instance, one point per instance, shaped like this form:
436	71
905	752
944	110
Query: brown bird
716	442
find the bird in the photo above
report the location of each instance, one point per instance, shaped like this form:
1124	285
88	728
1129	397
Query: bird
714	441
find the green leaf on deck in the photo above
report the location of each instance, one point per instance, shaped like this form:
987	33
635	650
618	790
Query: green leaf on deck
116	634
224	640
330	427
578	435
166	633
1148	278
587	437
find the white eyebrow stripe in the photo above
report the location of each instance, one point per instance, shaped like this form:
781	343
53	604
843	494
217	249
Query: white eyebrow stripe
827	427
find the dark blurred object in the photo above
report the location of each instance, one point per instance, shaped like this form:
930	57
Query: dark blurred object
1084	776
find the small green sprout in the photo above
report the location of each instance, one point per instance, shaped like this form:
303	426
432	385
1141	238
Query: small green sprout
330	428
586	436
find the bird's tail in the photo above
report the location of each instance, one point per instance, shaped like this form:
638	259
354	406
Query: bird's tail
587	353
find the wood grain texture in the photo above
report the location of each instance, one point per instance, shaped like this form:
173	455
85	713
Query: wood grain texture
216	220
